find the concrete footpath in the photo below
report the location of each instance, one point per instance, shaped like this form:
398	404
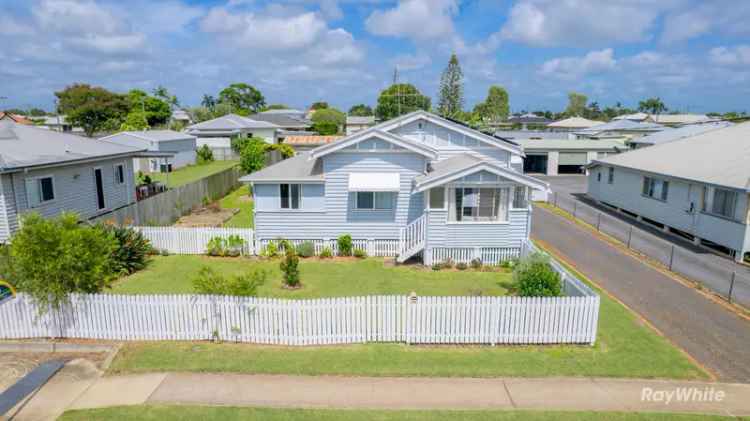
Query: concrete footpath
590	394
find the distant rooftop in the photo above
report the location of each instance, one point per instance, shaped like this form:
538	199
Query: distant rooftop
310	140
289	119
528	118
678	133
231	122
155	135
574	123
566	144
360	120
623	125
529	134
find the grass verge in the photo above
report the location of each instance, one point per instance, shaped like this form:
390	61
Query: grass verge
192	173
239	199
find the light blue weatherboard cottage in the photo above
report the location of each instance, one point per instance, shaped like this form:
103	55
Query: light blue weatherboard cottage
417	184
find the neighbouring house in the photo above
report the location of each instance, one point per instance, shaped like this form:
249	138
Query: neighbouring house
180	146
619	129
287	119
672	120
572	124
562	156
697	187
418	183
218	133
633	117
676	133
49	172
16	118
58	123
528	119
355	124
182	116
302	143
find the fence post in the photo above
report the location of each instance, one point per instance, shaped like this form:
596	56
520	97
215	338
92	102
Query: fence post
630	236
731	286
598	221
671	258
575	208
556	199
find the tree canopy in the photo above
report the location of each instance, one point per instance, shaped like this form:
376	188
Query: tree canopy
329	114
92	108
652	106
320	105
361	110
496	107
399	99
451	100
243	98
155	110
576	104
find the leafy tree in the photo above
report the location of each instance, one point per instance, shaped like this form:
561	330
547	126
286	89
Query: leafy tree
400	99
156	111
201	114
495	108
163	94
361	110
325	128
242	97
53	257
37	112
329	114
451	89
208	101
277	107
593	111
652	106
576	104
134	121
221	109
204	155
253	155
91	108
320	105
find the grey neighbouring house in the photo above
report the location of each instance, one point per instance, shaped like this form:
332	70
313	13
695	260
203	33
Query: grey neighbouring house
50	172
286	119
357	123
217	134
181	146
419	184
697	186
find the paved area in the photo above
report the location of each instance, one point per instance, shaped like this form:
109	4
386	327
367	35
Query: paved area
412	393
716	337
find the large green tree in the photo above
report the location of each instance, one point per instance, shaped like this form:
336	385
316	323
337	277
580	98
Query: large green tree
451	100
576	104
361	110
156	110
652	106
92	108
328	121
243	98
399	99
163	94
495	108
319	105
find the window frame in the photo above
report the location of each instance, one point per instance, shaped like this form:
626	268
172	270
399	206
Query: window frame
290	200
512	198
734	196
611	175
445	198
454	202
650	191
374	207
118	175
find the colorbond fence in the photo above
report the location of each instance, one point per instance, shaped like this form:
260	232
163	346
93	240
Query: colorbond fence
443	320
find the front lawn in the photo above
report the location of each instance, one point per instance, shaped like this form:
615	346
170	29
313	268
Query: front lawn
625	346
320	278
209	413
191	173
239	199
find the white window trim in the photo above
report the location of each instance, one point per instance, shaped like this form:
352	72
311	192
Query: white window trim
445	199
104	190
290	208
38	179
374	202
498	222
512	199
124	172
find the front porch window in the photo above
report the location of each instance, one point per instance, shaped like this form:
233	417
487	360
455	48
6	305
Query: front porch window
479	204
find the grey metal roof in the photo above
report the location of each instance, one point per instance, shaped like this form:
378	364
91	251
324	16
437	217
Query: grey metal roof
530	134
23	146
293	119
529	118
719	157
679	133
623	125
155	135
566	144
231	122
360	120
448	166
297	168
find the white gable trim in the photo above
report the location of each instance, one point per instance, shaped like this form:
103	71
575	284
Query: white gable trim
370	134
484	166
408	118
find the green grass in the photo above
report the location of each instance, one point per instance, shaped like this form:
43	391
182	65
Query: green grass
239	199
625	347
208	413
191	173
320	278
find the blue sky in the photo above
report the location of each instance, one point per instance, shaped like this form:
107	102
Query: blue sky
694	54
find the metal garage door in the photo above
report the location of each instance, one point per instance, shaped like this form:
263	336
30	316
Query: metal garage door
572	158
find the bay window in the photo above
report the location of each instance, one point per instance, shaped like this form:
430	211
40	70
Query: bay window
478	204
368	200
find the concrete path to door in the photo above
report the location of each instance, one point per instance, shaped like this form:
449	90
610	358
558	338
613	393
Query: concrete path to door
713	335
579	394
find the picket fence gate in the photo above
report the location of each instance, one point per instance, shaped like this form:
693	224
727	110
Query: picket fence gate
415	320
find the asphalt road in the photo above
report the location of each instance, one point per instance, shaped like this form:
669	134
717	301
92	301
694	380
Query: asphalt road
716	337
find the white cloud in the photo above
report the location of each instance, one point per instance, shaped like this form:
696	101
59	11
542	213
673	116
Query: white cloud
575	67
730	56
583	22
416	19
11	27
722	16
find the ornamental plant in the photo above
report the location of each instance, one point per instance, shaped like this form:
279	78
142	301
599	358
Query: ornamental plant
535	277
290	266
345	245
209	282
133	249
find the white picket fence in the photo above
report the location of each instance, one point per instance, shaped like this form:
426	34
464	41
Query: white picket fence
380	248
179	240
487	255
414	320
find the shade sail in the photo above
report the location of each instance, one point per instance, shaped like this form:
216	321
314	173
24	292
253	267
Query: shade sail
374	182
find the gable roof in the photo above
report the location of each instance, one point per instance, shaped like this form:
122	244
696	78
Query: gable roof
678	133
452	125
154	135
284	118
574	123
572	145
369	134
529	118
24	146
679	118
624	125
231	122
462	165
720	157
632	117
299	168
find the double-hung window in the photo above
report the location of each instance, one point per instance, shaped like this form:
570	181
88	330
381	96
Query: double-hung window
725	202
655	188
368	200
520	200
611	176
291	196
120	174
474	204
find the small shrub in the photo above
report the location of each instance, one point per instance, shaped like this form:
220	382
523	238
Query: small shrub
216	246
290	266
509	264
536	278
360	253
164	252
306	249
211	283
345	245
448	263
326	253
476	264
204	155
462	266
271	250
132	250
234	245
437	266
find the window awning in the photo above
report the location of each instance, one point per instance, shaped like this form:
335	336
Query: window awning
372	181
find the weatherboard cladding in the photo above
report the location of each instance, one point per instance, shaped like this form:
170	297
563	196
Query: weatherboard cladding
339	216
442	234
6	209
